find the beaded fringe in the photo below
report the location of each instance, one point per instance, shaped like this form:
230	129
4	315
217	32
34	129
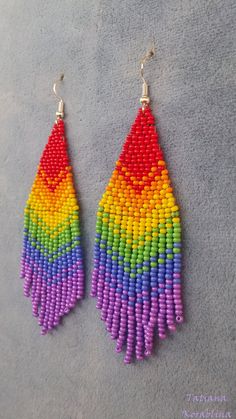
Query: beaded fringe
51	259
137	254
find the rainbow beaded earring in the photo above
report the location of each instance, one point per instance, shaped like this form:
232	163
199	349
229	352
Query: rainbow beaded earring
137	255
51	260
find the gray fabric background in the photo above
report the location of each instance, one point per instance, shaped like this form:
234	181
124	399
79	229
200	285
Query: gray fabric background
74	373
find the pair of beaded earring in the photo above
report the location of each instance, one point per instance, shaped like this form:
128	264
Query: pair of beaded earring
51	264
137	254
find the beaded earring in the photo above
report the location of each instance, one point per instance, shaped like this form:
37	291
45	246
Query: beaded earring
51	263
137	255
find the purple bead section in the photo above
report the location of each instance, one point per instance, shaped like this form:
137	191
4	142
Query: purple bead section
52	296
135	308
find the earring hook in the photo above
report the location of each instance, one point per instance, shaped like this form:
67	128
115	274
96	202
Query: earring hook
60	111
55	86
144	100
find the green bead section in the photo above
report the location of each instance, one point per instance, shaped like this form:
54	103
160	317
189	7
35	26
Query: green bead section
141	249
47	243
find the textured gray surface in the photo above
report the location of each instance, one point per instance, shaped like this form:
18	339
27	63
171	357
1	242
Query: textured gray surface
75	373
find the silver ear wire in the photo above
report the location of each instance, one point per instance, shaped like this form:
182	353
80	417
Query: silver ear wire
144	100
60	110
